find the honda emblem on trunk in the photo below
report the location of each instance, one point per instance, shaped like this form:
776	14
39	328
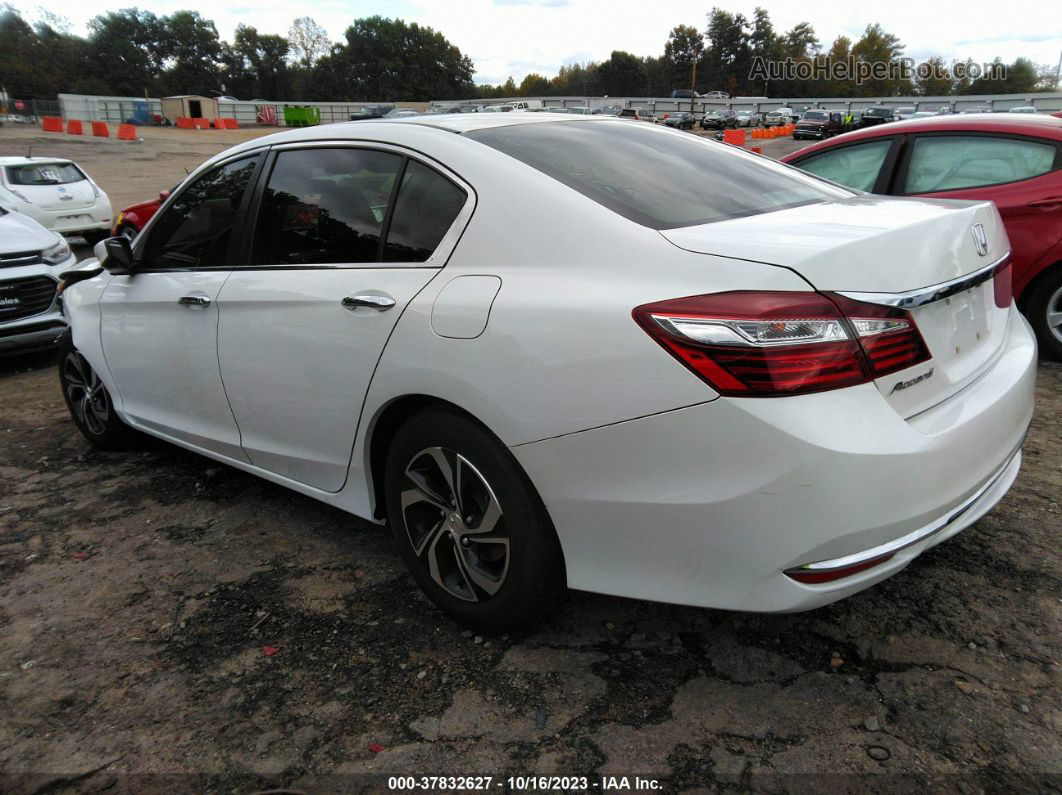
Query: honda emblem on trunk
980	239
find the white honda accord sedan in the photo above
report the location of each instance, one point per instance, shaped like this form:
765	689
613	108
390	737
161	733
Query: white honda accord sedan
557	351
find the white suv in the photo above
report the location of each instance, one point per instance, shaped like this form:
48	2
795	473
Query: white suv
31	259
57	194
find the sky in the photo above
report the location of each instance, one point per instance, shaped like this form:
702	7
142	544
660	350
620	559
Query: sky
515	37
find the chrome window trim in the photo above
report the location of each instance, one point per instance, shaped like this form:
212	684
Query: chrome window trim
913	299
922	533
447	244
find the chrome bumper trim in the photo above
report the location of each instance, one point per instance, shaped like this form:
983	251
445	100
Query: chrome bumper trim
922	533
913	299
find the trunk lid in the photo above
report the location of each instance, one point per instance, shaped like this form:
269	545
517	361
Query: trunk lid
875	248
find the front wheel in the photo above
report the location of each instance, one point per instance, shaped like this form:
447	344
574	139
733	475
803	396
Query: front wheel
1044	310
90	403
469	524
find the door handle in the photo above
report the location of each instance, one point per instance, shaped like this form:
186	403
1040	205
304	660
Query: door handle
1050	201
194	300
381	303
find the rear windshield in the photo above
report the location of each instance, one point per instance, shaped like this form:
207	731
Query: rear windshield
655	176
44	174
815	114
876	112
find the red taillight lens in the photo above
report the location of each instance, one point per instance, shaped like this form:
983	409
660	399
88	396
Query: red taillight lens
889	337
813	576
1001	285
782	343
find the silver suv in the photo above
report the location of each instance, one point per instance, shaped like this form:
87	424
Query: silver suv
31	259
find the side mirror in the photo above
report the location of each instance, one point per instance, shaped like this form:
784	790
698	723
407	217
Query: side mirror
116	255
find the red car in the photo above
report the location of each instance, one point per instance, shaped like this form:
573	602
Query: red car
132	219
1013	159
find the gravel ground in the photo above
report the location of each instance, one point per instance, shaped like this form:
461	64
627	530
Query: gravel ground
168	622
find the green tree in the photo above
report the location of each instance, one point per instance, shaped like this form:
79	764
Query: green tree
129	48
621	75
933	78
878	47
534	85
727	54
762	42
193	54
388	59
682	50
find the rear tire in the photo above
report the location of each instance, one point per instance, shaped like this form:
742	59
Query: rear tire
90	403
1044	310
469	524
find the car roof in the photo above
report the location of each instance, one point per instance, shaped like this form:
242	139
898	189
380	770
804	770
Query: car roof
1016	123
22	161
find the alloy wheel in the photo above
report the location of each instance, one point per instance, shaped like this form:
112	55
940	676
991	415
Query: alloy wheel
455	524
86	394
1054	314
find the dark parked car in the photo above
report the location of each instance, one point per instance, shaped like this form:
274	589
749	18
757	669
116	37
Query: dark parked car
683	93
371	112
719	119
877	115
819	124
682	120
1013	160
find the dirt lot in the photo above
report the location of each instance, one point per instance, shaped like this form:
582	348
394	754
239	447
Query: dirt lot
166	622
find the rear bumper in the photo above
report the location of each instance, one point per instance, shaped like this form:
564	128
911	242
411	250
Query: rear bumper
711	504
73	221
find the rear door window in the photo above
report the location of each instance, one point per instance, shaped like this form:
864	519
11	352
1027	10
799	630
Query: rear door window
426	207
324	206
856	166
954	162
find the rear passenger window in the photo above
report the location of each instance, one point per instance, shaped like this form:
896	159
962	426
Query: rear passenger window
953	162
426	207
324	206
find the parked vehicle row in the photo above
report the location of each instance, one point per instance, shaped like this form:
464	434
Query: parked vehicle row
540	420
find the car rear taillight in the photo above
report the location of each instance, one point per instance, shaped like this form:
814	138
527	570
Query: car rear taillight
1001	285
756	344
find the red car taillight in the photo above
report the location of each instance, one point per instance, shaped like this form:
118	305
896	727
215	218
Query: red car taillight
783	343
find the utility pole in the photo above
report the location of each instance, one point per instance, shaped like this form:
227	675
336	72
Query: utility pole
1058	69
693	82
693	76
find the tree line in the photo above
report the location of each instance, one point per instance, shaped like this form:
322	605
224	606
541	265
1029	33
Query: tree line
137	53
728	49
131	52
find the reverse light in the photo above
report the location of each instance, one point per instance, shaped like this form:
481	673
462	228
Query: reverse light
757	344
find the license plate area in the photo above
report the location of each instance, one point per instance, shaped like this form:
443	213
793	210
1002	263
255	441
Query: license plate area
963	333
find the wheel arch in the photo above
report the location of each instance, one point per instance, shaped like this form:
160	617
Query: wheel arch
1030	287
385	425
382	430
